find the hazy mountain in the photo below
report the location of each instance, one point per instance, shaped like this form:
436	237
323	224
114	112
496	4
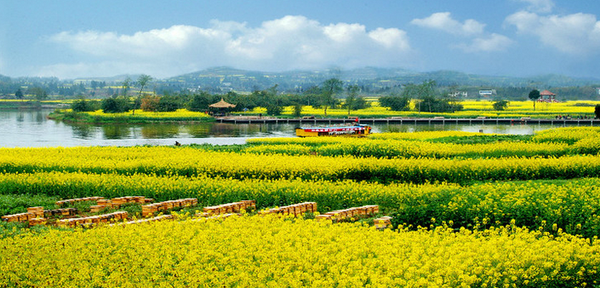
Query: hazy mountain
243	80
372	80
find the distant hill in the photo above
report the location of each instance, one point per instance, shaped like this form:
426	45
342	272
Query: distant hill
370	78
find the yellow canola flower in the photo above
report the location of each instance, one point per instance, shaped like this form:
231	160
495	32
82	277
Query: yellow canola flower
180	114
265	251
471	109
186	161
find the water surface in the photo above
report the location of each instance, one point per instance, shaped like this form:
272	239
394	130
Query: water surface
33	129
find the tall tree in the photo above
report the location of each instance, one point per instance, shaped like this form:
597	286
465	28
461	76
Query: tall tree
351	98
39	93
143	80
534	95
328	90
125	86
19	94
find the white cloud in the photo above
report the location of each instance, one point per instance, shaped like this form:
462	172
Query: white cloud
495	42
539	6
291	42
480	40
577	34
443	21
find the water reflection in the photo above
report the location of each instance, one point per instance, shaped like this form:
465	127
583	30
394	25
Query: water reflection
160	131
116	131
39	117
33	129
198	131
83	131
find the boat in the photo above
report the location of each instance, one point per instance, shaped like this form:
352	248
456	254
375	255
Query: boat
356	130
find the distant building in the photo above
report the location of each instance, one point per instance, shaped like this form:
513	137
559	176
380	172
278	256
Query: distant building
458	94
547	96
487	92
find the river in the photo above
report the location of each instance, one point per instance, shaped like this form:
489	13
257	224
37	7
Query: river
33	129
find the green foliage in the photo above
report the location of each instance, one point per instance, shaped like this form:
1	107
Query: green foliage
115	105
422	91
329	89
597	111
534	204
534	95
274	110
435	105
125	86
39	93
500	105
19	94
200	102
18	203
83	105
168	104
297	110
396	103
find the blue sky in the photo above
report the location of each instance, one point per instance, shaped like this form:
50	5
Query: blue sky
70	39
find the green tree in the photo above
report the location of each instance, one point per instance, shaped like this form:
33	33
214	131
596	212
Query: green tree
83	105
352	96
143	80
168	104
297	110
329	89
200	102
395	102
274	110
115	105
534	95
19	94
125	86
429	100
500	105
39	93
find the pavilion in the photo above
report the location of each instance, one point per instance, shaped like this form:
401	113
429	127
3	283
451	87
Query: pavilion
547	96
222	107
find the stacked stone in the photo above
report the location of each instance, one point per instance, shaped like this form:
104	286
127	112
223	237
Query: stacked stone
234	207
294	209
355	212
115	216
71	201
150	209
157	218
117	202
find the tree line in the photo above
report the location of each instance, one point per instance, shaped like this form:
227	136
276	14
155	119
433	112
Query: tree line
328	95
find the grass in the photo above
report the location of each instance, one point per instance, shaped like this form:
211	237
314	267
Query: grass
18	203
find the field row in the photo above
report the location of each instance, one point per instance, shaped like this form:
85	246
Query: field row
273	251
548	143
570	205
167	161
472	109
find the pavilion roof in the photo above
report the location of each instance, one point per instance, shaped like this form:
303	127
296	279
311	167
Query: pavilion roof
222	104
547	93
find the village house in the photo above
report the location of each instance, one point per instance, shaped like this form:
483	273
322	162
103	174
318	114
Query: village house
547	96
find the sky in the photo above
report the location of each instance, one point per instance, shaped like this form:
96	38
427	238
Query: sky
101	38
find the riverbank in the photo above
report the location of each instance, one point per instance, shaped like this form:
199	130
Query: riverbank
137	117
407	120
